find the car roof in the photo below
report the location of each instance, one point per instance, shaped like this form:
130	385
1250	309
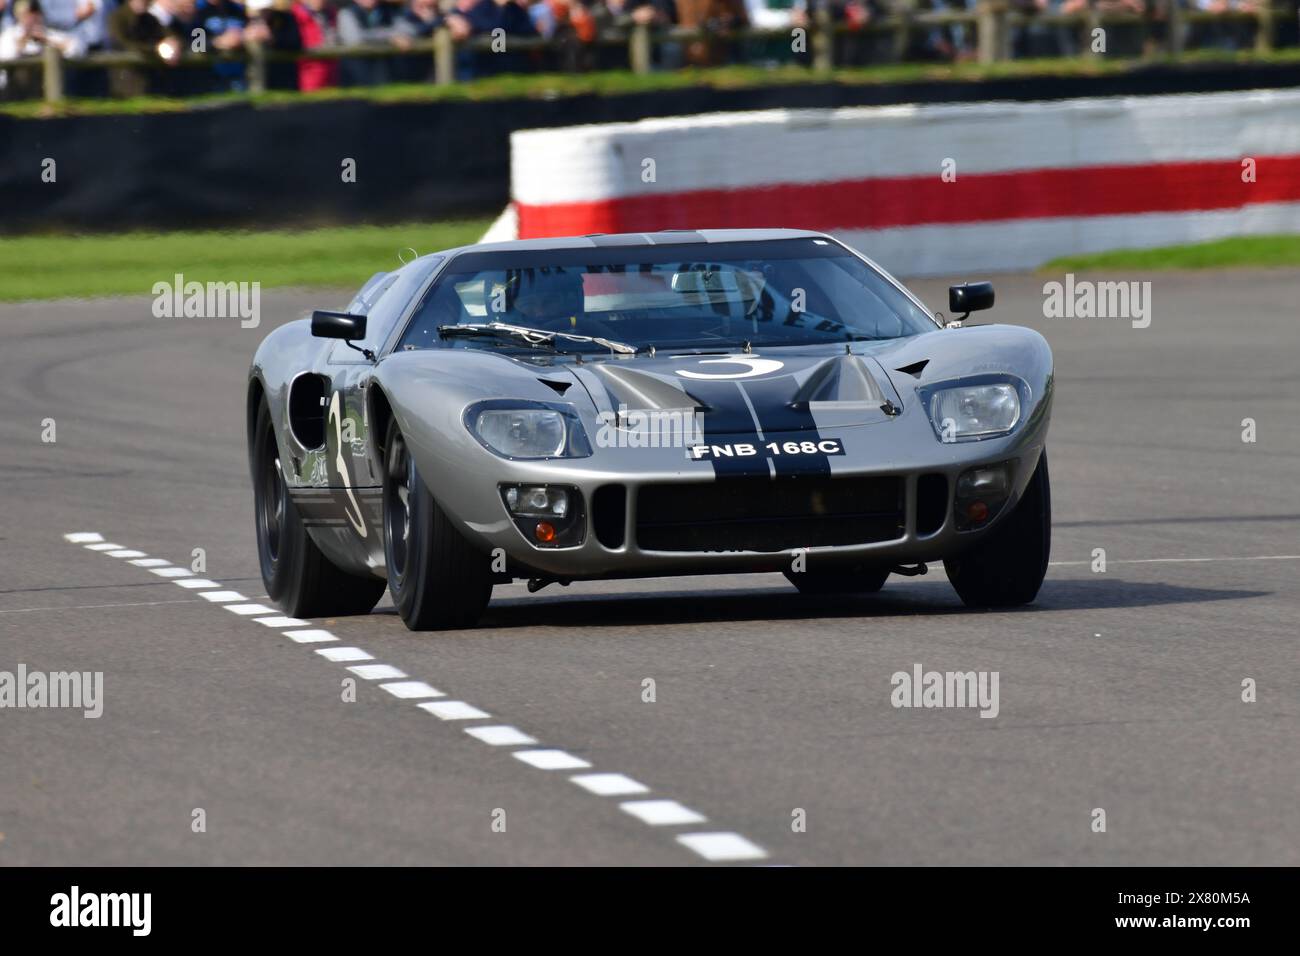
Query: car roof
632	239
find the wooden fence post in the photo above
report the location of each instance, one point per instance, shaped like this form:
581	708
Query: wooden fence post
52	73
992	31
823	39
255	70
1177	27
444	57
638	52
1264	28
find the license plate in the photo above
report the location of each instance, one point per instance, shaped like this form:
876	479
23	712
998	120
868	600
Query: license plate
811	447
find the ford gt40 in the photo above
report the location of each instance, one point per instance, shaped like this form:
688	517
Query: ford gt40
619	406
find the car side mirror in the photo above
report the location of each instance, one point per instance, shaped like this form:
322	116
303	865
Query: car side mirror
337	325
970	297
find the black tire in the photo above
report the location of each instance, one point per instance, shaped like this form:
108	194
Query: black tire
1008	568
438	580
298	577
854	579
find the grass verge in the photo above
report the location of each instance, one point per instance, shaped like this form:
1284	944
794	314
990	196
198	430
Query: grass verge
87	266
1261	252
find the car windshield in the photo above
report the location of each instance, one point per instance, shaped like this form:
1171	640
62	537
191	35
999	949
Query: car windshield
697	296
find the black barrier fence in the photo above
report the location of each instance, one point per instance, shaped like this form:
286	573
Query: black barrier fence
992	31
239	165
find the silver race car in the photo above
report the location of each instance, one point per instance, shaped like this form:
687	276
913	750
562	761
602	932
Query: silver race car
645	405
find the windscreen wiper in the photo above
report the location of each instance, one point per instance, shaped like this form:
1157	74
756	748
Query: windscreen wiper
529	336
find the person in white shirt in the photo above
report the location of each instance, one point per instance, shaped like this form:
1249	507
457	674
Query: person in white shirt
28	35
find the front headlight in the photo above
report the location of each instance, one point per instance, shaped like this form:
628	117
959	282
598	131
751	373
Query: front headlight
528	431
974	411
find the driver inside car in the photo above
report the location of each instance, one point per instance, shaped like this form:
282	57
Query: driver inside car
544	298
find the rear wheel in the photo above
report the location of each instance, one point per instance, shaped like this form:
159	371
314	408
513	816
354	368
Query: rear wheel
855	579
297	576
1008	567
437	578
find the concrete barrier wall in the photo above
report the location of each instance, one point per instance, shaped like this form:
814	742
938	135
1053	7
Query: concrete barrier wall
1026	181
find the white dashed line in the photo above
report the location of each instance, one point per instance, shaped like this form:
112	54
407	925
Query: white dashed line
454	710
500	736
338	654
550	759
719	847
314	636
412	690
661	813
715	847
222	596
609	784
377	671
171	572
247	610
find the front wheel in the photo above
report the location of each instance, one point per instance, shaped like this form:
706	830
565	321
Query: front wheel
1007	568
438	580
298	577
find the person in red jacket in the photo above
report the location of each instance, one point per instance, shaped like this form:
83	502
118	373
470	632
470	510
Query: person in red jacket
316	26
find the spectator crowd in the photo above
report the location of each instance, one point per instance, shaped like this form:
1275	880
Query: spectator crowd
167	31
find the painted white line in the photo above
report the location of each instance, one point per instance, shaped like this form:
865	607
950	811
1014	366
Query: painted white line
222	596
500	735
313	637
453	710
609	784
550	759
338	655
661	813
171	572
377	671
412	690
1258	557
249	609
722	846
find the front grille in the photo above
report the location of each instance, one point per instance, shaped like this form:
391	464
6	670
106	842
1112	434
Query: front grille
766	514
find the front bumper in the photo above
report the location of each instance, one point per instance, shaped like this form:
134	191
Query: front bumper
619	543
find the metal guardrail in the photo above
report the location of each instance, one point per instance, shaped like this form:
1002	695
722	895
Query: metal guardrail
993	22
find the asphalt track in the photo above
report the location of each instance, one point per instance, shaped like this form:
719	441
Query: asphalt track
1118	690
